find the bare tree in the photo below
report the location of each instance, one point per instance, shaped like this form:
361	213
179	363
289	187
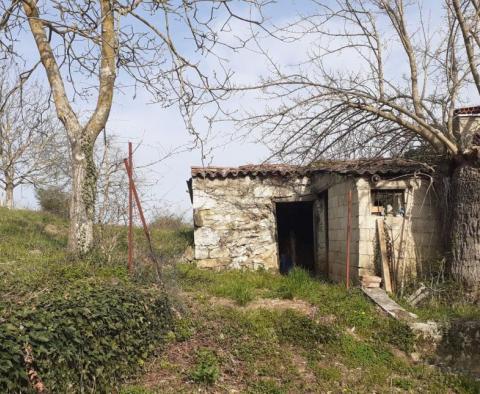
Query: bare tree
380	79
79	39
28	135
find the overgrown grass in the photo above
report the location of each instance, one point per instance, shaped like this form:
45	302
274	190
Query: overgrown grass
446	302
88	324
346	347
349	308
33	253
284	351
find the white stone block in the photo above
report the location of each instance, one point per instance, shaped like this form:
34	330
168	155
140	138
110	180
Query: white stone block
203	201
205	236
201	252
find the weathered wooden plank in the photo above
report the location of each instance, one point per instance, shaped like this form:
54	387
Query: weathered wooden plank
387	284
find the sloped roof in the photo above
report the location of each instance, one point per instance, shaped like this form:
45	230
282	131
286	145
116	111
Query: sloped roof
352	167
467	111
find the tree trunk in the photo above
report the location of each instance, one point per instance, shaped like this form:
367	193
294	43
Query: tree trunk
8	190
465	226
82	202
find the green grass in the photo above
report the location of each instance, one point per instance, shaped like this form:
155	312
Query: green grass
349	308
33	255
448	305
284	351
86	316
347	346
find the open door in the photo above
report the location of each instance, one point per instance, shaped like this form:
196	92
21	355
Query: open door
295	235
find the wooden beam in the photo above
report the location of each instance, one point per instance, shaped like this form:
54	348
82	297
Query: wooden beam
387	284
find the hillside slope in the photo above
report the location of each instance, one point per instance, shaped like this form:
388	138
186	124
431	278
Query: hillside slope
85	325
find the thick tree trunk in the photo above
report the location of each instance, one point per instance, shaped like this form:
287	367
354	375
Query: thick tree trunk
465	228
82	202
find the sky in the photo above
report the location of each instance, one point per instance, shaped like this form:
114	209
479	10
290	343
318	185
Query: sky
156	131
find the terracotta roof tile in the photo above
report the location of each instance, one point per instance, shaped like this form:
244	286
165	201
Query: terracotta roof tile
468	111
355	167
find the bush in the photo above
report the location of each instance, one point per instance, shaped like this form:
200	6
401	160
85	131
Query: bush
166	220
89	338
53	200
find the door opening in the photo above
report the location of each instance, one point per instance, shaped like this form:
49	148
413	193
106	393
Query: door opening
295	235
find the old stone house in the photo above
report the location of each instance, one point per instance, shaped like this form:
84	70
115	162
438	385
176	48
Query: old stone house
279	216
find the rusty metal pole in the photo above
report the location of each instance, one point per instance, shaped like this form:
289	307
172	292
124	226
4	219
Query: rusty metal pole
349	234
137	201
142	218
130	209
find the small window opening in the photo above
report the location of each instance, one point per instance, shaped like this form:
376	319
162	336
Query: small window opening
388	202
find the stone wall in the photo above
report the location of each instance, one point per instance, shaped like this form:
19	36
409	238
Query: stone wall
415	236
235	224
234	219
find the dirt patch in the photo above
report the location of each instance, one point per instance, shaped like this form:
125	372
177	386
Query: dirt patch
302	368
269	303
170	373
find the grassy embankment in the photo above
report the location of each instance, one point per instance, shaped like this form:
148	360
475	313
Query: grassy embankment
253	332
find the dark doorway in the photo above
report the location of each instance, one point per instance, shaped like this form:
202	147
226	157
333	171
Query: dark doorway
295	235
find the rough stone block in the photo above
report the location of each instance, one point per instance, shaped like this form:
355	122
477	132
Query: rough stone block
205	236
203	201
212	263
219	252
201	252
199	216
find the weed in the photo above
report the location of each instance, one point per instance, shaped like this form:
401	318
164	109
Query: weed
240	293
266	386
184	329
135	390
285	292
206	369
398	334
402	383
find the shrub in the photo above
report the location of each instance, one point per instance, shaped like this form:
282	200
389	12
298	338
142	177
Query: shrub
89	338
166	220
207	368
53	200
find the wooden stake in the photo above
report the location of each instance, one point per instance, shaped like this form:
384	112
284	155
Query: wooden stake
387	284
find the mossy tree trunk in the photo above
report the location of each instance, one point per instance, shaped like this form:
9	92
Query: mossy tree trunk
82	201
82	138
465	225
